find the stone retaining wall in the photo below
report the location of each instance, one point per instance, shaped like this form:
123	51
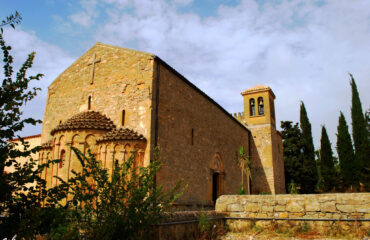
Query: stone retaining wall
323	206
313	209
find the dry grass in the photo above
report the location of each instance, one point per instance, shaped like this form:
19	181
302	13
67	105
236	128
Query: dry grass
291	230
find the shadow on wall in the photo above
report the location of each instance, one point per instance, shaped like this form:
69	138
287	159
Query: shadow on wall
259	178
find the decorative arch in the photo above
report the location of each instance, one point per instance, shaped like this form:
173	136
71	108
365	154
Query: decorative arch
46	169
109	160
115	154
62	158
216	164
252	107
261	106
90	143
126	151
73	162
61	139
217	177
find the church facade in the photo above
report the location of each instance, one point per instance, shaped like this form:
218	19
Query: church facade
114	100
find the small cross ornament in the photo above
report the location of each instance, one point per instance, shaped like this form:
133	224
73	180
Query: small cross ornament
94	61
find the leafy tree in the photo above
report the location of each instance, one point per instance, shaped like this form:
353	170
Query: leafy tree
121	205
11	20
327	170
346	154
292	154
360	138
21	190
309	175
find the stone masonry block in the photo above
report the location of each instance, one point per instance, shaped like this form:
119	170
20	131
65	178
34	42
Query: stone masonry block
312	206
251	207
294	206
235	208
328	206
280	208
345	208
220	207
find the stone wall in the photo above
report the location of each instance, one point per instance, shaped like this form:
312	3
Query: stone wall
197	138
315	207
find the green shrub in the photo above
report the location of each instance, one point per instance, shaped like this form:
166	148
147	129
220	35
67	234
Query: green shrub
121	205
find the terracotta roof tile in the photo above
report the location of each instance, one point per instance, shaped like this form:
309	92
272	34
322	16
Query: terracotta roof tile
121	134
86	120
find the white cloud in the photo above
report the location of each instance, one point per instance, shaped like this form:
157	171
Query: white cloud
87	15
50	60
81	18
303	51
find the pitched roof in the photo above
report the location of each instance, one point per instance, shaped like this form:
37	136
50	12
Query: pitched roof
121	134
86	120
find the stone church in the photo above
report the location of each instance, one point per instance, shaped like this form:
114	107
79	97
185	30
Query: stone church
114	100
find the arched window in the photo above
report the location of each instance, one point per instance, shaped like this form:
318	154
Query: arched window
89	103
261	109
62	158
123	118
252	108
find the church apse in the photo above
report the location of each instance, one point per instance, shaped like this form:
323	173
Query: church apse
90	132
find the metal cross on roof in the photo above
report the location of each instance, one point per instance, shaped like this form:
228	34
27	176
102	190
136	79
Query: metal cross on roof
93	67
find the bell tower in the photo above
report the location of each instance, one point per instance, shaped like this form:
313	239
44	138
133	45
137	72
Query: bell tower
259	106
266	141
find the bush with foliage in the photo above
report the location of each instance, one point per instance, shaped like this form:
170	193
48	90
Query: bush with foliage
121	205
22	191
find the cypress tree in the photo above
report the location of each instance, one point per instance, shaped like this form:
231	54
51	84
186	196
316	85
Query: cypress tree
309	172
326	162
346	154
292	153
360	139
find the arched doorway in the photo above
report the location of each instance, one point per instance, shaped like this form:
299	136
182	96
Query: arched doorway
215	186
217	177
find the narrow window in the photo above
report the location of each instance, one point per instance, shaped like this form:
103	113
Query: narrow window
89	103
62	158
252	109
123	117
192	137
261	109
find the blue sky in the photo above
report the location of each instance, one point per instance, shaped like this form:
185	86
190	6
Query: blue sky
302	49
